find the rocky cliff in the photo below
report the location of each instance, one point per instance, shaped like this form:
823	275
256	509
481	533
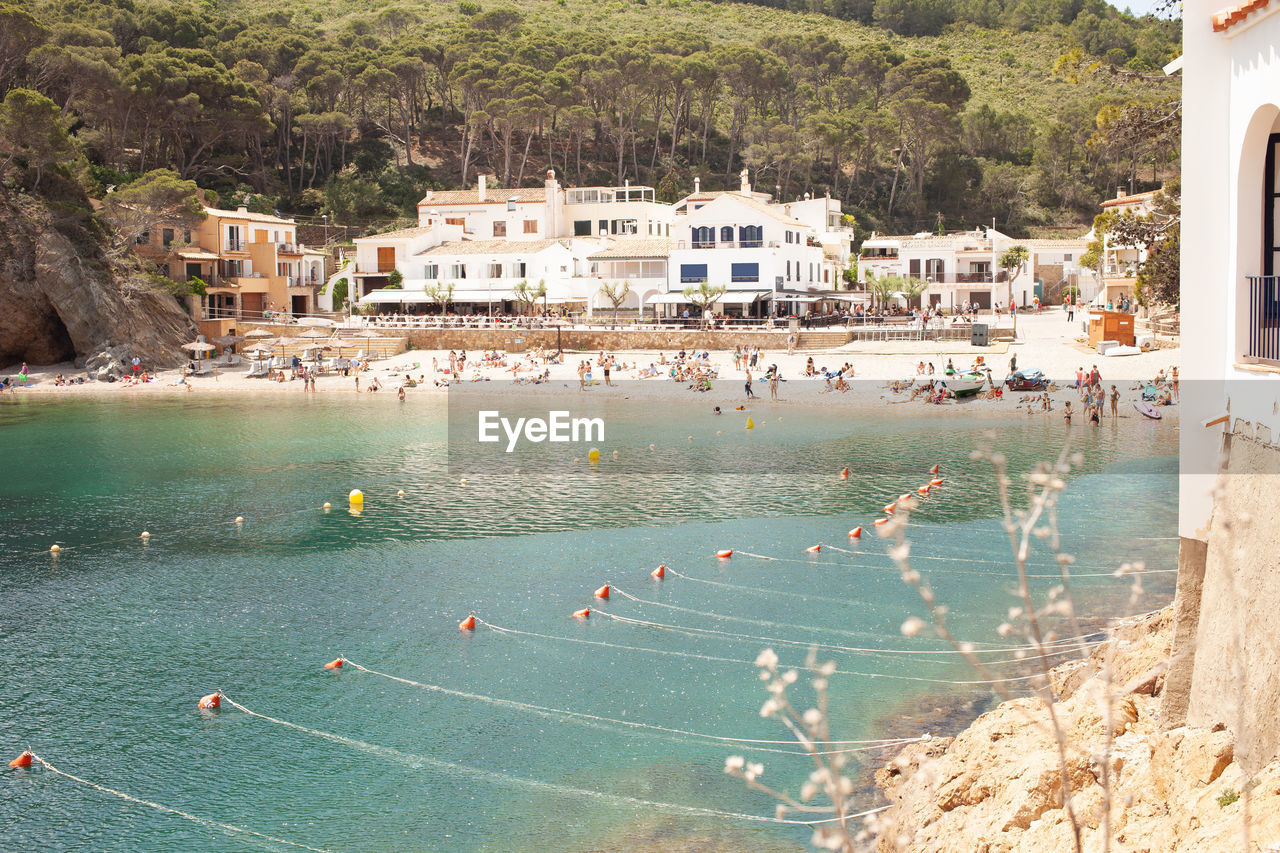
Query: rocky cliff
997	786
60	298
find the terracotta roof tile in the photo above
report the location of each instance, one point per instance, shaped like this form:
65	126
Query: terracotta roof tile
1232	15
492	195
637	247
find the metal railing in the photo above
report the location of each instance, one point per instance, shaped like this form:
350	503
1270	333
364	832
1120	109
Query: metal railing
1264	317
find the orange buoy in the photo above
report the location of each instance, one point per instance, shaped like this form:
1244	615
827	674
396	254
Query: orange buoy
924	490
844	473
725	554
208	703
889	508
933	470
855	533
582	614
659	573
904	498
468	624
602	592
880	521
336	663
22	761
813	549
935	482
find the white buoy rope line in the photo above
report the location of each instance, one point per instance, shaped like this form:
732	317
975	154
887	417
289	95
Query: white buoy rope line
204	821
751	663
146	536
691	631
1011	571
977	647
609	721
749	620
422	761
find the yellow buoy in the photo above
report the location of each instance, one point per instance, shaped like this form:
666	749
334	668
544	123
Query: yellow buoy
145	536
751	424
594	455
517	470
55	549
463	481
400	493
651	447
327	505
356	497
239	519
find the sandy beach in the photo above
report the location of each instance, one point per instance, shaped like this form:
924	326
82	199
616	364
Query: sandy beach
1046	342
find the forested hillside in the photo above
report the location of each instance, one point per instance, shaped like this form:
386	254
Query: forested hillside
910	111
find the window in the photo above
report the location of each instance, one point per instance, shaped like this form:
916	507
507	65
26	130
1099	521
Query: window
788	236
458	271
431	271
625	226
166	236
750	237
692	273
531	226
233	238
499	229
386	258
143	239
604	227
456	221
519	269
704	238
163	269
1066	258
744	272
789	267
726	234
186	236
495	270
582	227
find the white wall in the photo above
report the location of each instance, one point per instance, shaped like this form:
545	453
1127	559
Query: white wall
1229	106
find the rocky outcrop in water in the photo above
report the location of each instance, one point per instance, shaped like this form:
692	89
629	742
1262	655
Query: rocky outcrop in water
997	786
62	300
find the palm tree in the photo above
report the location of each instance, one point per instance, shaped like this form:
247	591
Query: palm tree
616	292
1013	261
703	295
882	289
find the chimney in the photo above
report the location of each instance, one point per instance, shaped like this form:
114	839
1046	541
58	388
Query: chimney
551	178
242	209
697	185
745	183
1119	193
431	194
480	188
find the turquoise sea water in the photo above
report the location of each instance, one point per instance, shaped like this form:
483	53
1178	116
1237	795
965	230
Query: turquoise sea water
107	648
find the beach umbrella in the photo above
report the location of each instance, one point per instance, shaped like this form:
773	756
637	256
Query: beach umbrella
313	334
259	334
198	347
340	342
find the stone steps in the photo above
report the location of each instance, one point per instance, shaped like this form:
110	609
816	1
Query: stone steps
822	339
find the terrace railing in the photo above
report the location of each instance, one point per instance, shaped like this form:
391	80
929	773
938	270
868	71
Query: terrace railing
1264	317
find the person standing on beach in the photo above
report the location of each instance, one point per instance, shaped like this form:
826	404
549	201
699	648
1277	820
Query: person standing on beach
755	352
1066	414
608	364
1115	400
748	385
773	385
1071	309
1013	363
582	376
1079	377
791	343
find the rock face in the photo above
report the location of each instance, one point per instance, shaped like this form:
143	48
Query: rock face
62	300
998	785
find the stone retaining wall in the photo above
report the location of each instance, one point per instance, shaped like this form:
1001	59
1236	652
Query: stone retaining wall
574	340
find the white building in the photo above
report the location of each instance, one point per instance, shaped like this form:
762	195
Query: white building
755	249
1117	275
962	267
1225	667
742	240
1230	293
486	213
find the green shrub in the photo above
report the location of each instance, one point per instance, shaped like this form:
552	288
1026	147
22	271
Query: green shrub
1227	797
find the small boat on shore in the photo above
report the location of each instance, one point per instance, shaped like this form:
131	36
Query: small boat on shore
966	385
